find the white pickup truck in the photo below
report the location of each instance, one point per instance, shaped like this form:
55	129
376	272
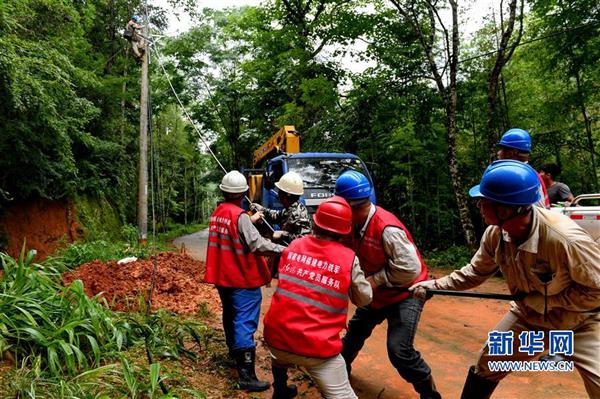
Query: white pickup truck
585	211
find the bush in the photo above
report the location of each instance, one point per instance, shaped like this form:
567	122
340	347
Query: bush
454	257
67	345
60	327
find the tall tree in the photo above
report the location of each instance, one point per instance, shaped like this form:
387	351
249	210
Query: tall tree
505	50
426	22
575	53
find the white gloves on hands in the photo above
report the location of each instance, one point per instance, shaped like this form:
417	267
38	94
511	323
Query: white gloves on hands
419	290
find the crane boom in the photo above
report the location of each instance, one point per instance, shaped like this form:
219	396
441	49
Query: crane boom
285	140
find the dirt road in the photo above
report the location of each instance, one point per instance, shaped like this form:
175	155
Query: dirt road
451	332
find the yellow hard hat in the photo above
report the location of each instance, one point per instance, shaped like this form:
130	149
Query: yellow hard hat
291	183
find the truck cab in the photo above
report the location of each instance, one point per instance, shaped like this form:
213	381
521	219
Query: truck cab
319	170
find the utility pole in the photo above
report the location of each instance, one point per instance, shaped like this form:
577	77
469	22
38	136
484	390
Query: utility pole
143	164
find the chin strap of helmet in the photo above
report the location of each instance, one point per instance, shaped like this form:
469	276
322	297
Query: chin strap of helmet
517	211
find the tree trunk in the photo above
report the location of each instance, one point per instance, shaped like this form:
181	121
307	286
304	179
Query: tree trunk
492	118
507	123
588	131
504	54
461	201
451	101
448	94
184	195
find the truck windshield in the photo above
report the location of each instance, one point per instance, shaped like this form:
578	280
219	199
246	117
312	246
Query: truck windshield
323	172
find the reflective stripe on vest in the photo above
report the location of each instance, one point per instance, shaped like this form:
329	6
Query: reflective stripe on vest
223	237
308	310
227	262
311	302
313	286
226	247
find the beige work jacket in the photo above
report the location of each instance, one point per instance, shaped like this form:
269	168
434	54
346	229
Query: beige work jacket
557	248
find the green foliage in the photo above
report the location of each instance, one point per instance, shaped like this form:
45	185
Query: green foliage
453	257
29	382
98	218
83	252
43	116
69	115
59	327
68	345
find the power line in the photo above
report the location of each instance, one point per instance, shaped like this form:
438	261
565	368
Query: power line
536	39
191	121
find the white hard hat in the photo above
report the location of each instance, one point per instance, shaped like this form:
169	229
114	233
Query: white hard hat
291	183
234	182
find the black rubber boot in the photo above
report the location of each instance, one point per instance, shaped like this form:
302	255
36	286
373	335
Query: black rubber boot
245	360
427	389
477	387
281	390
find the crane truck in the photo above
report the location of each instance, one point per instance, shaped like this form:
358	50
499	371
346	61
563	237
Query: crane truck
319	170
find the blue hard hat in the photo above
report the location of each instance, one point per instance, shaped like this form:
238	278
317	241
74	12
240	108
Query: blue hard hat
509	182
135	18
518	139
352	185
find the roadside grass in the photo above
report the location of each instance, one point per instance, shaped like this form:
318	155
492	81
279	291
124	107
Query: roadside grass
451	258
55	342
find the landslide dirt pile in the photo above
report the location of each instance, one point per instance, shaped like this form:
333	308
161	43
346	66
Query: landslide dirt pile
179	286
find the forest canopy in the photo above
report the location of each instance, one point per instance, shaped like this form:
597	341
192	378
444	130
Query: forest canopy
424	113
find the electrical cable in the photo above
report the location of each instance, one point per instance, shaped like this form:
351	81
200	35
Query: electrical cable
189	118
535	39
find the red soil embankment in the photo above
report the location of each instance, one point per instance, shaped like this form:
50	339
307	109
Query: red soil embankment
42	224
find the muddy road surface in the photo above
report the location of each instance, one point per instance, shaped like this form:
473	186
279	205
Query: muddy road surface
451	332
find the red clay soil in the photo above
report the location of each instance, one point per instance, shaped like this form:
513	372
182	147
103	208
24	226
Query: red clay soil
43	224
179	286
451	332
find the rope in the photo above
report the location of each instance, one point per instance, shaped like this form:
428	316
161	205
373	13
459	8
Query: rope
191	121
160	63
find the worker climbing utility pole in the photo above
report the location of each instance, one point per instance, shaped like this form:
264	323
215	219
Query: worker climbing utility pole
143	164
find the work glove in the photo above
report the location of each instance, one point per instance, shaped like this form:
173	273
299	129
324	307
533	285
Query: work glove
535	301
419	290
257	207
256	217
277	235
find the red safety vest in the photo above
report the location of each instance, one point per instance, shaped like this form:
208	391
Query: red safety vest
372	256
310	306
228	264
544	192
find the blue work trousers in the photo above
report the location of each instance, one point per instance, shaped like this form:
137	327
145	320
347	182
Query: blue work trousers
403	318
241	310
